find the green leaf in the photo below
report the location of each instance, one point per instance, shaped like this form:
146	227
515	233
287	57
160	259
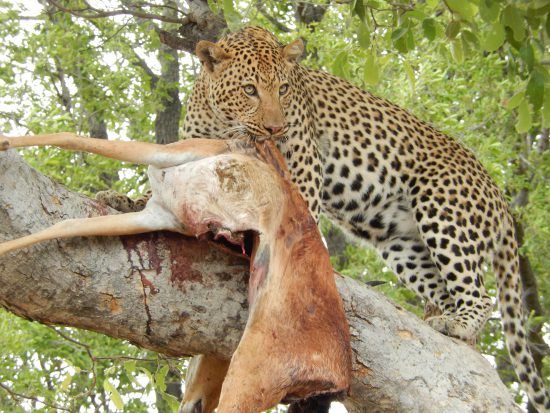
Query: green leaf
510	38
340	65
432	4
512	18
466	9
403	39
371	73
527	55
160	377
548	24
428	25
401	45
410	75
214	6
538	7
470	37
494	38
414	14
399	39
533	22
375	4
66	382
148	374
535	89
114	394
172	402
358	8
546	111
130	368
489	10
515	100
457	51
524	122
452	29
466	47
399	33
363	35
232	17
409	39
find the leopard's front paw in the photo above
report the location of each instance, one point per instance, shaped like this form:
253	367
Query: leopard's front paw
115	200
448	325
141	202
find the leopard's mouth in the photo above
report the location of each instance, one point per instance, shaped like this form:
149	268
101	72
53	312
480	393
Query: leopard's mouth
262	138
257	135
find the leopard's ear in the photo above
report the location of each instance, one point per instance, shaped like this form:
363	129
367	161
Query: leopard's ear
210	54
294	51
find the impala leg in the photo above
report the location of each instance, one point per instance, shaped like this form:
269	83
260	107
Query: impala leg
150	219
203	384
258	376
160	156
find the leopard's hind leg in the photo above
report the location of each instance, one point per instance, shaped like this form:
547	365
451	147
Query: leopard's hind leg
411	261
458	249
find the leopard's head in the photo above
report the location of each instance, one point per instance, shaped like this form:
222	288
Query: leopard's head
247	76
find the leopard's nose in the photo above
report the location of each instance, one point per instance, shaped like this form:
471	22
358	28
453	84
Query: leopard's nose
273	129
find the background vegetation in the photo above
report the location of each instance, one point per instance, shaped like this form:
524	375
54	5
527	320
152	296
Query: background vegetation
476	69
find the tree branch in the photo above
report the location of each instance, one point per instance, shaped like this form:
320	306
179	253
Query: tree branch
16	396
181	296
93	13
196	23
280	26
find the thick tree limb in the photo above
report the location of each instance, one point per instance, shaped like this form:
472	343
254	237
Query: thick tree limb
180	296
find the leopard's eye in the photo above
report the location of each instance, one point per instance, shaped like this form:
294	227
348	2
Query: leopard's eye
250	90
283	89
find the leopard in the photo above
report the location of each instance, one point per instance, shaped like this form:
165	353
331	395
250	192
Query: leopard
418	196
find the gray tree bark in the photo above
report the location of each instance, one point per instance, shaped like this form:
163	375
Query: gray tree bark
181	296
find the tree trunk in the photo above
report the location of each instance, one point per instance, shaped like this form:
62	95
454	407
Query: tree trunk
168	117
181	296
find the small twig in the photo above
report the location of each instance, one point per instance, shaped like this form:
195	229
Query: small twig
376	26
16	395
280	26
164	6
110	13
110	37
39	17
17	118
140	62
447	6
406	7
90	355
124	358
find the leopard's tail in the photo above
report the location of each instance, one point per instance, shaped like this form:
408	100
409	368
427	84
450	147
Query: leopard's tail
506	267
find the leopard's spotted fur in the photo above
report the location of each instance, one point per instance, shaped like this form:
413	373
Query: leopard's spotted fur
417	195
